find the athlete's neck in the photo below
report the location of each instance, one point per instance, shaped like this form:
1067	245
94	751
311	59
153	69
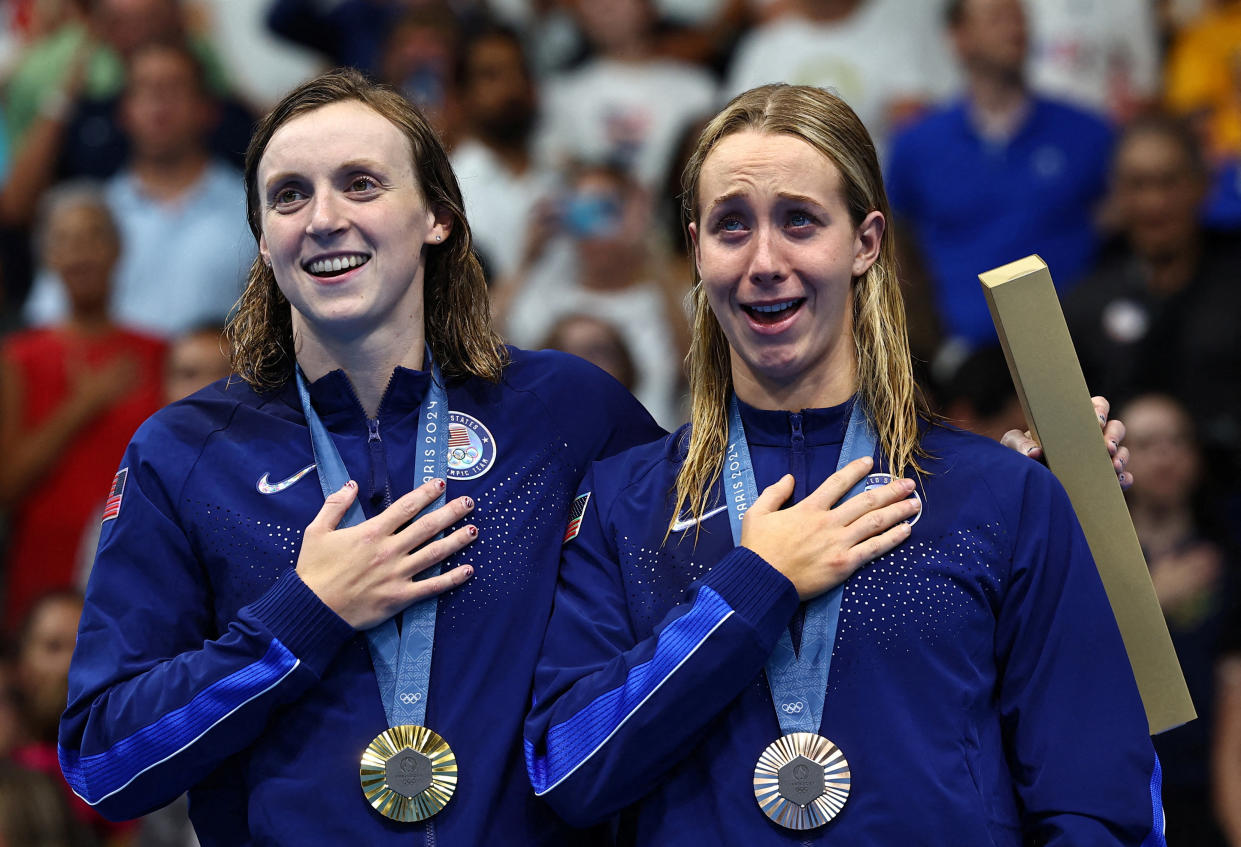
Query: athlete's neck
368	363
821	388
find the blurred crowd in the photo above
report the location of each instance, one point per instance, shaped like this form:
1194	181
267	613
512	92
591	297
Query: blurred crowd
1103	135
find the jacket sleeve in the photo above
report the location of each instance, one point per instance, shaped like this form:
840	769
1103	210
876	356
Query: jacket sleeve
159	694
608	714
1076	734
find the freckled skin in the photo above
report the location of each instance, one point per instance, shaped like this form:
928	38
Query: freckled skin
774	229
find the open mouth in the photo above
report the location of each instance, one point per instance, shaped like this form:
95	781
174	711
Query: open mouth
773	313
330	266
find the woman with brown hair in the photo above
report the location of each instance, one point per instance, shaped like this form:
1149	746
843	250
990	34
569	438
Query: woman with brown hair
334	685
750	682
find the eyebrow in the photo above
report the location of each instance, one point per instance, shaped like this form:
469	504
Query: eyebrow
787	197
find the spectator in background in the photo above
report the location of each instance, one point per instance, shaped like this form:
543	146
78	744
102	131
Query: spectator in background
997	175
180	210
613	274
44	647
595	340
1101	55
1226	745
1203	81
72	395
195	360
979	396
625	105
418	58
1204	86
347	32
501	179
33	811
1161	310
101	36
883	57
1195	579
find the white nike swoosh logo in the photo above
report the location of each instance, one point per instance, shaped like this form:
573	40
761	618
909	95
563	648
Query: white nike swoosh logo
266	487
682	525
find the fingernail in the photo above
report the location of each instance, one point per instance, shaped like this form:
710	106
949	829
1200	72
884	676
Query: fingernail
1102	419
469	570
350	484
472	530
1114	444
907	485
467	502
1031	449
439	483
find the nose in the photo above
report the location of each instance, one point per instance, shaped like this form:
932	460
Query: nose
326	215
767	263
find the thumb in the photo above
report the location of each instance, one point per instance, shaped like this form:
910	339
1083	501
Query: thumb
334	508
774	496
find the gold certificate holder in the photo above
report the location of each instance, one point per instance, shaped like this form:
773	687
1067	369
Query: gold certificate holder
802	780
1053	394
408	773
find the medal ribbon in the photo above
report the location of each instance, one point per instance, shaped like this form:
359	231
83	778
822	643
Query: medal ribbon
798	681
402	658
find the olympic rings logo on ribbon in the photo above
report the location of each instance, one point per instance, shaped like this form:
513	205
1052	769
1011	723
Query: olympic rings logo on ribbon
407	698
793	708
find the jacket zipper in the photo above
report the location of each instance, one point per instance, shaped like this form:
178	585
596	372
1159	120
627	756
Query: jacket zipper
797	467
379	462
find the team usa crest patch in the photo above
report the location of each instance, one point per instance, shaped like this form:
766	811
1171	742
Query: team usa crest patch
112	507
471	449
879	480
575	517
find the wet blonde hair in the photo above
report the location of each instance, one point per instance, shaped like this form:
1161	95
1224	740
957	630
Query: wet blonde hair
885	378
457	310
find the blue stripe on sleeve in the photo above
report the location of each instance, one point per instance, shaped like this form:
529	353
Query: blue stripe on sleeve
96	777
571	743
1156	837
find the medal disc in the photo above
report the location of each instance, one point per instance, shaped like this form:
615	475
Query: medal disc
408	773
801	780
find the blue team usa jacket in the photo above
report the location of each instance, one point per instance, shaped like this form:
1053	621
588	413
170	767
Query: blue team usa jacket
979	687
204	663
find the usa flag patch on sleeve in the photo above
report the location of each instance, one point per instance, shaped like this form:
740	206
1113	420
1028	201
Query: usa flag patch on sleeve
112	508
575	517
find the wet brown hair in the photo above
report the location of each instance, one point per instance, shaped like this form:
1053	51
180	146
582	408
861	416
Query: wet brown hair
457	310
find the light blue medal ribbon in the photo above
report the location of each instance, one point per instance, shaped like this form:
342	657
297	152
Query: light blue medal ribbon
798	681
402	659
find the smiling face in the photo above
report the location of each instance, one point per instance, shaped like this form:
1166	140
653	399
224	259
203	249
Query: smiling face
343	225
777	252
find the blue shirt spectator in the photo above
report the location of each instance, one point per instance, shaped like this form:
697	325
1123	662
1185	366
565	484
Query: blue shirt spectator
975	204
998	175
181	265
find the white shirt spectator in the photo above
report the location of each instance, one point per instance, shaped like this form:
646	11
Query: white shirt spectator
182	264
499	204
885	52
1098	54
638	311
630	114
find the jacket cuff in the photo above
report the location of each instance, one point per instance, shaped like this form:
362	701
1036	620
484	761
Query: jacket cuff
303	623
755	590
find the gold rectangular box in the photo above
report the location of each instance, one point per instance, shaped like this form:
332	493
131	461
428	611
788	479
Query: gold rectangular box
1057	405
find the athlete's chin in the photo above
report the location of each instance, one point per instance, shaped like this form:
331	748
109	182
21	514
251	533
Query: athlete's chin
344	321
781	371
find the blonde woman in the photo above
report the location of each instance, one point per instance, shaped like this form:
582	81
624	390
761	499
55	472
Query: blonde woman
918	650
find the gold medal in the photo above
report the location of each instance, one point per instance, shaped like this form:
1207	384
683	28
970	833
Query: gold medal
801	780
408	773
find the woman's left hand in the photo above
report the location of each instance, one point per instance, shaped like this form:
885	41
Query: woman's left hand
1113	435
